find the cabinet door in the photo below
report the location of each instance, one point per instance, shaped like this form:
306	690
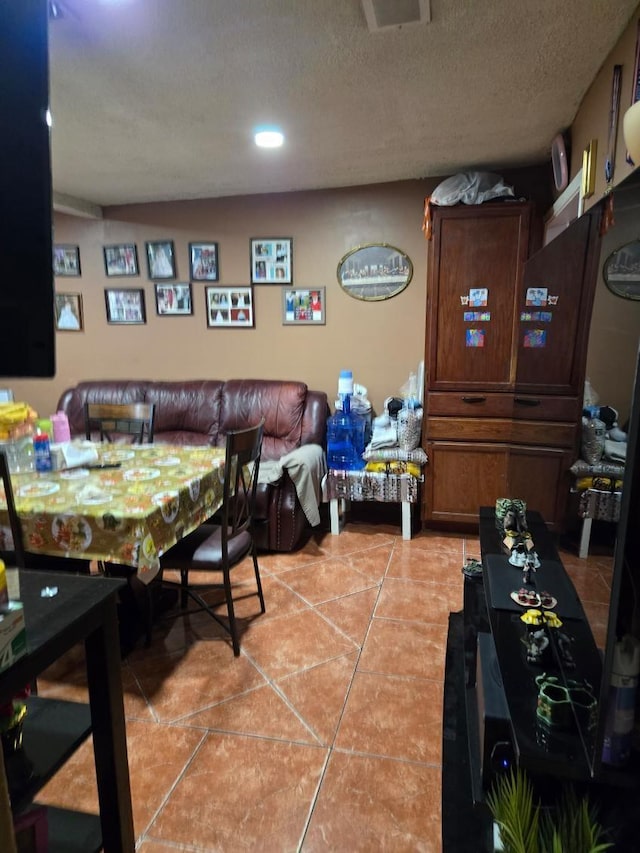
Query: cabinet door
553	334
474	248
539	475
461	477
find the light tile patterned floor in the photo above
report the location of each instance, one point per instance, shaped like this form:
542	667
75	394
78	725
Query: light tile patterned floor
325	735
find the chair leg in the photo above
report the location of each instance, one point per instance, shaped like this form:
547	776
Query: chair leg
233	630
184	588
258	581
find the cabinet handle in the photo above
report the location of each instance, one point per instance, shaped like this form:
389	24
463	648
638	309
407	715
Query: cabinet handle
474	399
526	401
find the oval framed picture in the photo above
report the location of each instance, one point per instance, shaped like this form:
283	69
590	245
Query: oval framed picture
621	271
559	162
374	271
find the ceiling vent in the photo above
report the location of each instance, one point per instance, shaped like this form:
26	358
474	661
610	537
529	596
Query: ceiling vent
394	14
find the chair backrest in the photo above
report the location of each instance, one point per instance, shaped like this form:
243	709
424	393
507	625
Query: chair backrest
109	420
242	464
14	521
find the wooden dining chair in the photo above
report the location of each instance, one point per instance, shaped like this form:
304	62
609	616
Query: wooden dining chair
113	420
221	547
17	554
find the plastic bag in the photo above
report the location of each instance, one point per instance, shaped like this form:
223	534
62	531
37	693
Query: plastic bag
470	188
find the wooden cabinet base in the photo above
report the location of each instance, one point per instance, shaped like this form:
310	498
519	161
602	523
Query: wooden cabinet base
463	476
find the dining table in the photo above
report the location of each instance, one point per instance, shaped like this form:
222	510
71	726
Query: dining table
128	506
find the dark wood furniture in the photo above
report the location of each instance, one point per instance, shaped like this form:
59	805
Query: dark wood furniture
503	418
84	609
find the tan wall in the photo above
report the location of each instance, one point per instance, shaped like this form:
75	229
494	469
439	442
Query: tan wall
592	118
380	341
615	326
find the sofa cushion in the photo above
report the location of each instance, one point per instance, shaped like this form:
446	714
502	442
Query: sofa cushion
186	407
282	404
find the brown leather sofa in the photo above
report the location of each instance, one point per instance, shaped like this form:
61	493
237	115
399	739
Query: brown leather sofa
203	411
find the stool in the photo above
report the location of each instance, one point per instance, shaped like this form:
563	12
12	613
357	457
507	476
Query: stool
345	486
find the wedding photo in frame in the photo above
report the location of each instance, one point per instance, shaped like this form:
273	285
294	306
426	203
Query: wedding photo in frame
125	305
68	308
173	299
203	261
121	259
66	260
303	307
229	307
161	259
271	260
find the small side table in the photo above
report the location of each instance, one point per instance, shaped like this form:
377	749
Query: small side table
345	486
603	505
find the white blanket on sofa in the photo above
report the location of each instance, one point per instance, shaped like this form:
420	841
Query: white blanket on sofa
306	466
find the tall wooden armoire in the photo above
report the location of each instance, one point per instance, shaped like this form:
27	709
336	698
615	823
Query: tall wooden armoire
505	359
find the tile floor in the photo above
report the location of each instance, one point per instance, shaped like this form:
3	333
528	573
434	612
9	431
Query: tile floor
325	734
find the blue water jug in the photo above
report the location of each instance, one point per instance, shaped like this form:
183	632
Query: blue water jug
345	438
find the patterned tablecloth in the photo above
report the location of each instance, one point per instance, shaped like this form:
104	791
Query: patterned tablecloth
130	514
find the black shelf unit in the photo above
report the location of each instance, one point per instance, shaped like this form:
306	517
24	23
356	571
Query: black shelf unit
53	730
84	609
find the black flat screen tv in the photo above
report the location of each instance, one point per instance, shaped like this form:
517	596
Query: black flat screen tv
27	336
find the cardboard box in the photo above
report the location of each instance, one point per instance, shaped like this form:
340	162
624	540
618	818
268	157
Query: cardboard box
13	638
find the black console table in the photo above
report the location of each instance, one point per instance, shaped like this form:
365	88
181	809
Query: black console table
84	609
501	690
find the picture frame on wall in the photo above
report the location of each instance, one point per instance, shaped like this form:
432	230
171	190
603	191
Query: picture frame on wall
203	262
374	272
120	259
68	312
303	306
173	299
230	307
161	262
271	260
66	260
125	305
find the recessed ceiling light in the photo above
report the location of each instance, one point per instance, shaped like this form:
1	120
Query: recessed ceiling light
269	138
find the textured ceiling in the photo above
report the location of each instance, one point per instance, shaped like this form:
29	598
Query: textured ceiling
157	99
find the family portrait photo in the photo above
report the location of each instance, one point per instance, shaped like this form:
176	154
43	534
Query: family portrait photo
68	312
161	259
173	299
66	260
125	305
203	261
121	259
229	307
303	306
271	260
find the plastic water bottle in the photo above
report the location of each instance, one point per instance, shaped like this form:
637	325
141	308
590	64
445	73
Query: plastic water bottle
345	431
42	452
